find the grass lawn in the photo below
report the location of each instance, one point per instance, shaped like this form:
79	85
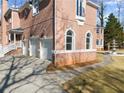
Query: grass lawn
99	57
109	79
120	50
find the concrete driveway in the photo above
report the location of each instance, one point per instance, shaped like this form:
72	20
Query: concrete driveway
28	75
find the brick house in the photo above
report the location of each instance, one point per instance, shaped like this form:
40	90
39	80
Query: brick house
100	38
13	26
63	31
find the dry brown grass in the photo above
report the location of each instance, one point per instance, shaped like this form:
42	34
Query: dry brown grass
118	62
108	79
120	50
100	57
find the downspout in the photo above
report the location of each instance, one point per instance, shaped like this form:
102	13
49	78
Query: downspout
1	24
54	34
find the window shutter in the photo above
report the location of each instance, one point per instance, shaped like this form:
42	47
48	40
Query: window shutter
81	7
77	6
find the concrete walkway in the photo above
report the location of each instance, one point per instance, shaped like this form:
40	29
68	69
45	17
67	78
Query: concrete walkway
28	75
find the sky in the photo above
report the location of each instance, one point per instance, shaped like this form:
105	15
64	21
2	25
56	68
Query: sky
18	2
11	3
111	6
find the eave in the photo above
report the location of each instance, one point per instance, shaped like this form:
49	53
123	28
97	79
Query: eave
26	5
8	14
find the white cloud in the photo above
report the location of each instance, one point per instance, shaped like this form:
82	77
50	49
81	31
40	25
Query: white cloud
110	3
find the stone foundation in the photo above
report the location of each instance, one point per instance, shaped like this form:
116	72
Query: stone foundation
74	58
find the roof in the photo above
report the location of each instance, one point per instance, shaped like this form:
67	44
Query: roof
8	12
26	5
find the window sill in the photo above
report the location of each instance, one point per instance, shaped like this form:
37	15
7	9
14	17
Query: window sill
35	14
99	46
80	18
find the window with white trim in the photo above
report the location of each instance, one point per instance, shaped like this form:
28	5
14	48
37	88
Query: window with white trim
88	41
80	8
35	7
69	40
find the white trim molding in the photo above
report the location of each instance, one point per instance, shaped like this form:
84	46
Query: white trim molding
80	18
99	46
73	51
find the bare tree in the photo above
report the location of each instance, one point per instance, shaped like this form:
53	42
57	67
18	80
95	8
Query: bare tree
15	3
101	12
119	9
120	6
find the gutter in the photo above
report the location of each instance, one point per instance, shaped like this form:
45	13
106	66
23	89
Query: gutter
92	4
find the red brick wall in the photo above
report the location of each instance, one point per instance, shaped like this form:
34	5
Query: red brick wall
65	19
65	12
74	58
4	23
15	20
40	24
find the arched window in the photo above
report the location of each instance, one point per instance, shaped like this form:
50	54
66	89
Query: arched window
88	41
69	40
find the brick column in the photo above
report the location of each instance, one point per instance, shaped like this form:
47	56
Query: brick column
5	40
